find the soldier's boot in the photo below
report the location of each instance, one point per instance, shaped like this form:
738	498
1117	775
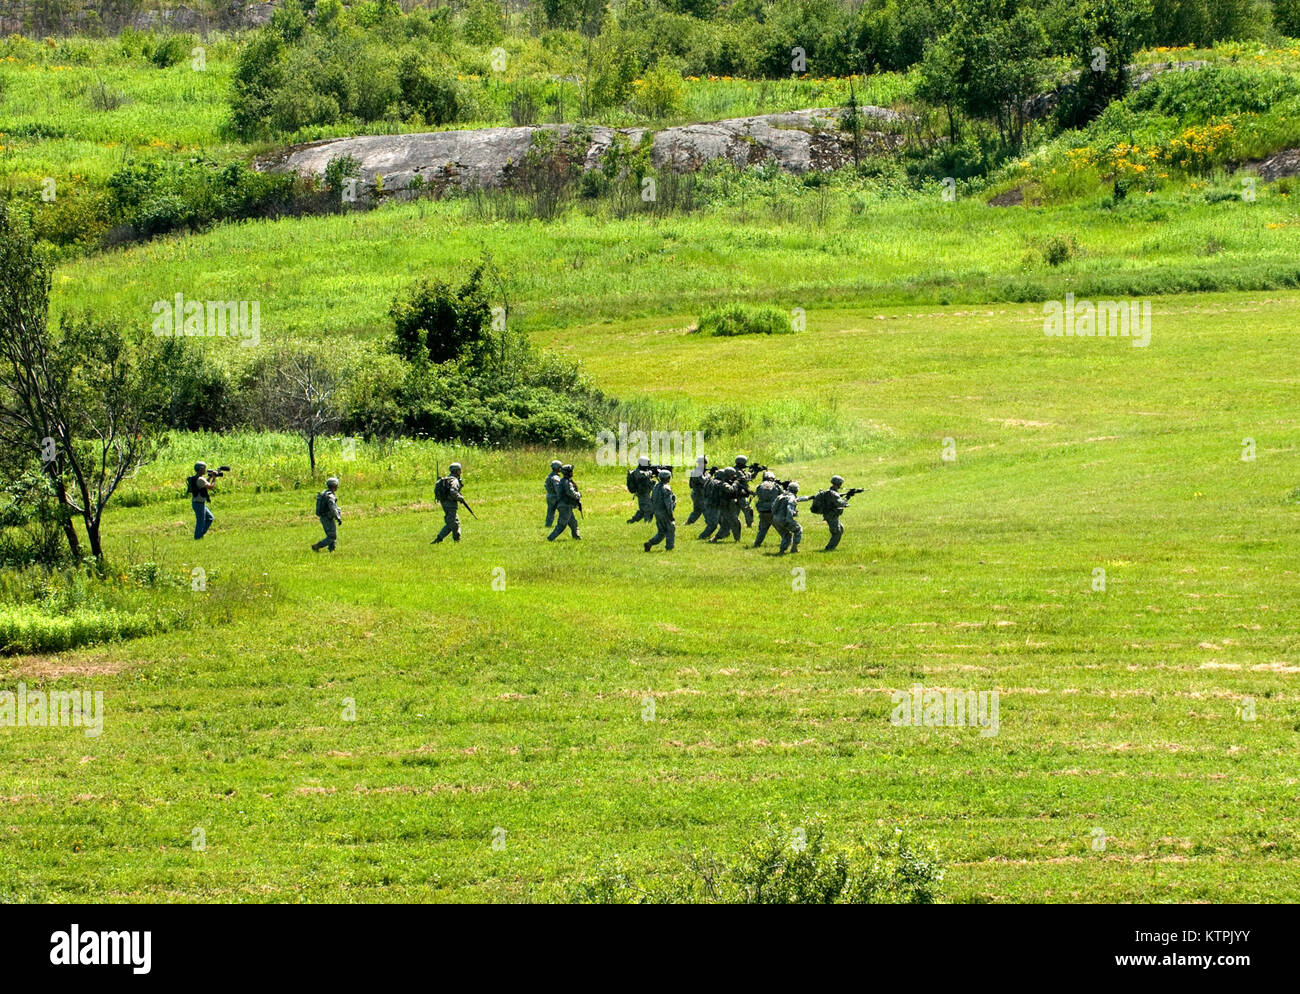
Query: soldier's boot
646	546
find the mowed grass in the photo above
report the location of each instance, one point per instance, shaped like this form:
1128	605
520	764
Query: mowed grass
522	709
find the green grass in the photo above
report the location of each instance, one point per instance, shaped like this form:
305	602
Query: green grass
482	706
51	127
327	276
521	709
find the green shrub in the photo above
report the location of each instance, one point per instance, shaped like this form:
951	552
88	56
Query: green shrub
661	92
485	22
436	322
76	217
745	319
162	195
1058	249
28	628
172	50
1215	91
429	92
785	865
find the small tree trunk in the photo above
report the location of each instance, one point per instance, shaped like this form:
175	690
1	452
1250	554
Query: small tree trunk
311	452
92	533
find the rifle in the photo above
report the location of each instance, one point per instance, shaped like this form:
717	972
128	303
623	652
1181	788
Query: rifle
437	468
848	496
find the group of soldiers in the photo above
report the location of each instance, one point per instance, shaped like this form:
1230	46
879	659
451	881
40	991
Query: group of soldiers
722	496
719	495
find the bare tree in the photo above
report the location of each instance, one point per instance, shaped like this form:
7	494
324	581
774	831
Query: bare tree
301	398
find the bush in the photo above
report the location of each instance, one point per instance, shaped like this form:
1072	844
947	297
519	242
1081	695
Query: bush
1214	92
1058	249
162	195
29	629
786	865
745	319
76	217
31	523
432	94
661	93
172	50
435	322
485	22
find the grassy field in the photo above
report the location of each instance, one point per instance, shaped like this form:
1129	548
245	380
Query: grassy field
501	719
521	708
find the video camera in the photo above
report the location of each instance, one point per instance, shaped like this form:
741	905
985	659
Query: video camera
213	474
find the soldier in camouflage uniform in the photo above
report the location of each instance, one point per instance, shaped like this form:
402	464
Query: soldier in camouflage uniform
327	502
765	494
785	511
553	491
699	477
570	500
742	471
710	499
640	481
831	505
447	493
663	502
729	500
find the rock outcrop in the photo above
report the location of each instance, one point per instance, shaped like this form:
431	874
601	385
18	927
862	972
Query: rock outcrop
796	141
1280	165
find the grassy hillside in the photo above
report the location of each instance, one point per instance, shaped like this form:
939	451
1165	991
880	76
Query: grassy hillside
779	241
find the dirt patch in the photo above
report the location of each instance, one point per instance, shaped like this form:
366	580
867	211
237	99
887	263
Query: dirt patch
53	667
1012	198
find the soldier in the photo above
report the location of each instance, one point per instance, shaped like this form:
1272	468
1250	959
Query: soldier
766	494
730	497
785	519
699	477
710	500
830	504
640	481
200	489
742	471
570	500
447	493
663	502
553	491
327	509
